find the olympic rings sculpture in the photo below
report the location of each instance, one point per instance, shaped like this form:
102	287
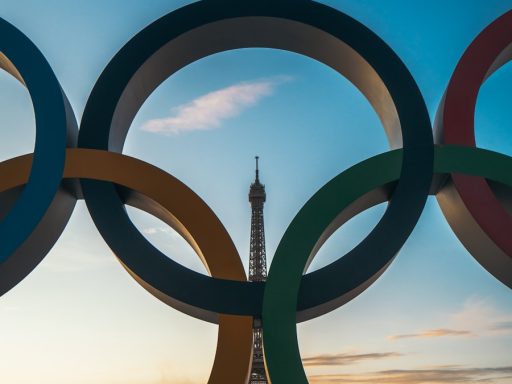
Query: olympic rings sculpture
40	189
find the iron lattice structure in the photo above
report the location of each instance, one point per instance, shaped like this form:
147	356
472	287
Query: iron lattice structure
257	271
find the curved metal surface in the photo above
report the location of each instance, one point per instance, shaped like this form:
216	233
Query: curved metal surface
185	212
476	215
35	205
41	208
307	28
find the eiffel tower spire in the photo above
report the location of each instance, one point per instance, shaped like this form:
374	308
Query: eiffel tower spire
257	271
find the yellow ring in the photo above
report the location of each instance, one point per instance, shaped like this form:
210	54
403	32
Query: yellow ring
188	215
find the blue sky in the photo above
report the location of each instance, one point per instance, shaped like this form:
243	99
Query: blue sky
80	318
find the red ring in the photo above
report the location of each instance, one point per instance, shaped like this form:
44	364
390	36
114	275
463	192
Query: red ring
489	51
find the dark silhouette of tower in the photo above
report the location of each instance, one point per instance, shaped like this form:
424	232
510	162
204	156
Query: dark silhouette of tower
257	271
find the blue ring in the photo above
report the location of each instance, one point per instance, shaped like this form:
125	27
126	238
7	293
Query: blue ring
55	128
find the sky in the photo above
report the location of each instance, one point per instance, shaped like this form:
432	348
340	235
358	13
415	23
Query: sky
435	316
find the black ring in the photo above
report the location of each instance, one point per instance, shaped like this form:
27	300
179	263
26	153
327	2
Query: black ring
208	27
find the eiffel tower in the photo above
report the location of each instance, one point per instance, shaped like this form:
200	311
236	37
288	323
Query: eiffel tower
257	272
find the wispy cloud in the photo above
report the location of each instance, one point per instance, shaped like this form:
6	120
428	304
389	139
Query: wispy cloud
477	313
431	333
501	326
155	230
422	376
345	358
210	110
484	317
478	317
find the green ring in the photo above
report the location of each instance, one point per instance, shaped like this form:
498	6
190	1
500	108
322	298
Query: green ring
293	252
